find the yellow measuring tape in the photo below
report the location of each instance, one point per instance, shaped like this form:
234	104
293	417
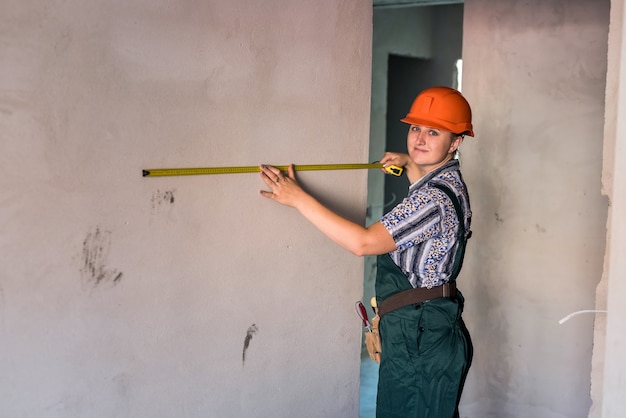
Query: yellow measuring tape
160	172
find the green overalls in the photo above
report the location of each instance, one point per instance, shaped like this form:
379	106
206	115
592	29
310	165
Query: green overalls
426	353
426	350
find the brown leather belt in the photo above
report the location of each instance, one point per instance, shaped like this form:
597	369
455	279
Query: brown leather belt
417	295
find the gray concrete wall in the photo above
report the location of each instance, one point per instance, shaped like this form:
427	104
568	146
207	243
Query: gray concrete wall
139	297
535	74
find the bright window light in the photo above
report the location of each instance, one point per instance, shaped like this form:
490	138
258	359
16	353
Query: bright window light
459	75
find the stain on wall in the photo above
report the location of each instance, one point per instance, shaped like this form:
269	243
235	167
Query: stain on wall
95	256
161	199
246	342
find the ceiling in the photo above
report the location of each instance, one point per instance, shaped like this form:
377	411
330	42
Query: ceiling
407	3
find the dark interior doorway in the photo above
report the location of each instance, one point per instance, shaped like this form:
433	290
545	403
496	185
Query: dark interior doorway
406	77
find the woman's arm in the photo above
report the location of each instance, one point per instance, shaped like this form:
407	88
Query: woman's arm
355	238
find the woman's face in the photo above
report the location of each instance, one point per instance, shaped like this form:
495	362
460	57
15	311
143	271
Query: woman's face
430	148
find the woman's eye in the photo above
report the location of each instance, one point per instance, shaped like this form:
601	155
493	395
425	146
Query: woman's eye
415	128
433	133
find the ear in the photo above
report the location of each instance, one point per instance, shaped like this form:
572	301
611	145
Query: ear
456	143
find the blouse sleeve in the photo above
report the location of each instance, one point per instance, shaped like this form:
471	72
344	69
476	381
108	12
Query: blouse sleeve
416	219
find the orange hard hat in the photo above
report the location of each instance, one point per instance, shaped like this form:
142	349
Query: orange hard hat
444	108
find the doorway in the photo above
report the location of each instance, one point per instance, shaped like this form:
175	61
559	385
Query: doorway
406	76
413	48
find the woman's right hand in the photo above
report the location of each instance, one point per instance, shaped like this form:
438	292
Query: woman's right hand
285	188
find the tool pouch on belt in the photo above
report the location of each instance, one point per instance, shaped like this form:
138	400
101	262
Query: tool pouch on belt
372	340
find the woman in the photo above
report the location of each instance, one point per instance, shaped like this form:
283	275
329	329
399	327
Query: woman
426	349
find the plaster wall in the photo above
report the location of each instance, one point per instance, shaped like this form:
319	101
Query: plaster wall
610	335
178	296
535	74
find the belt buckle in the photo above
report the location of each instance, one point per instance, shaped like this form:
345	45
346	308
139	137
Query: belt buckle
446	290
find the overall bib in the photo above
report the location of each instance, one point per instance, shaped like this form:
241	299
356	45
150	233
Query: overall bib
426	348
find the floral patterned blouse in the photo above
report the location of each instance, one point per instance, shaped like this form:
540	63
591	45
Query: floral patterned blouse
424	227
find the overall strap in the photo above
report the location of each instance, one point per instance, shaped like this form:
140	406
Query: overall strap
462	235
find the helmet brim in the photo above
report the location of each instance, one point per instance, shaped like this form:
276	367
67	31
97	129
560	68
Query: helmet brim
456	129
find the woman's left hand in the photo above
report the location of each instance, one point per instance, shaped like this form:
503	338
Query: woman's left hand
285	189
402	160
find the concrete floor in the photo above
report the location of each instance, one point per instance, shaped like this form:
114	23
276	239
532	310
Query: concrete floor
369	383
